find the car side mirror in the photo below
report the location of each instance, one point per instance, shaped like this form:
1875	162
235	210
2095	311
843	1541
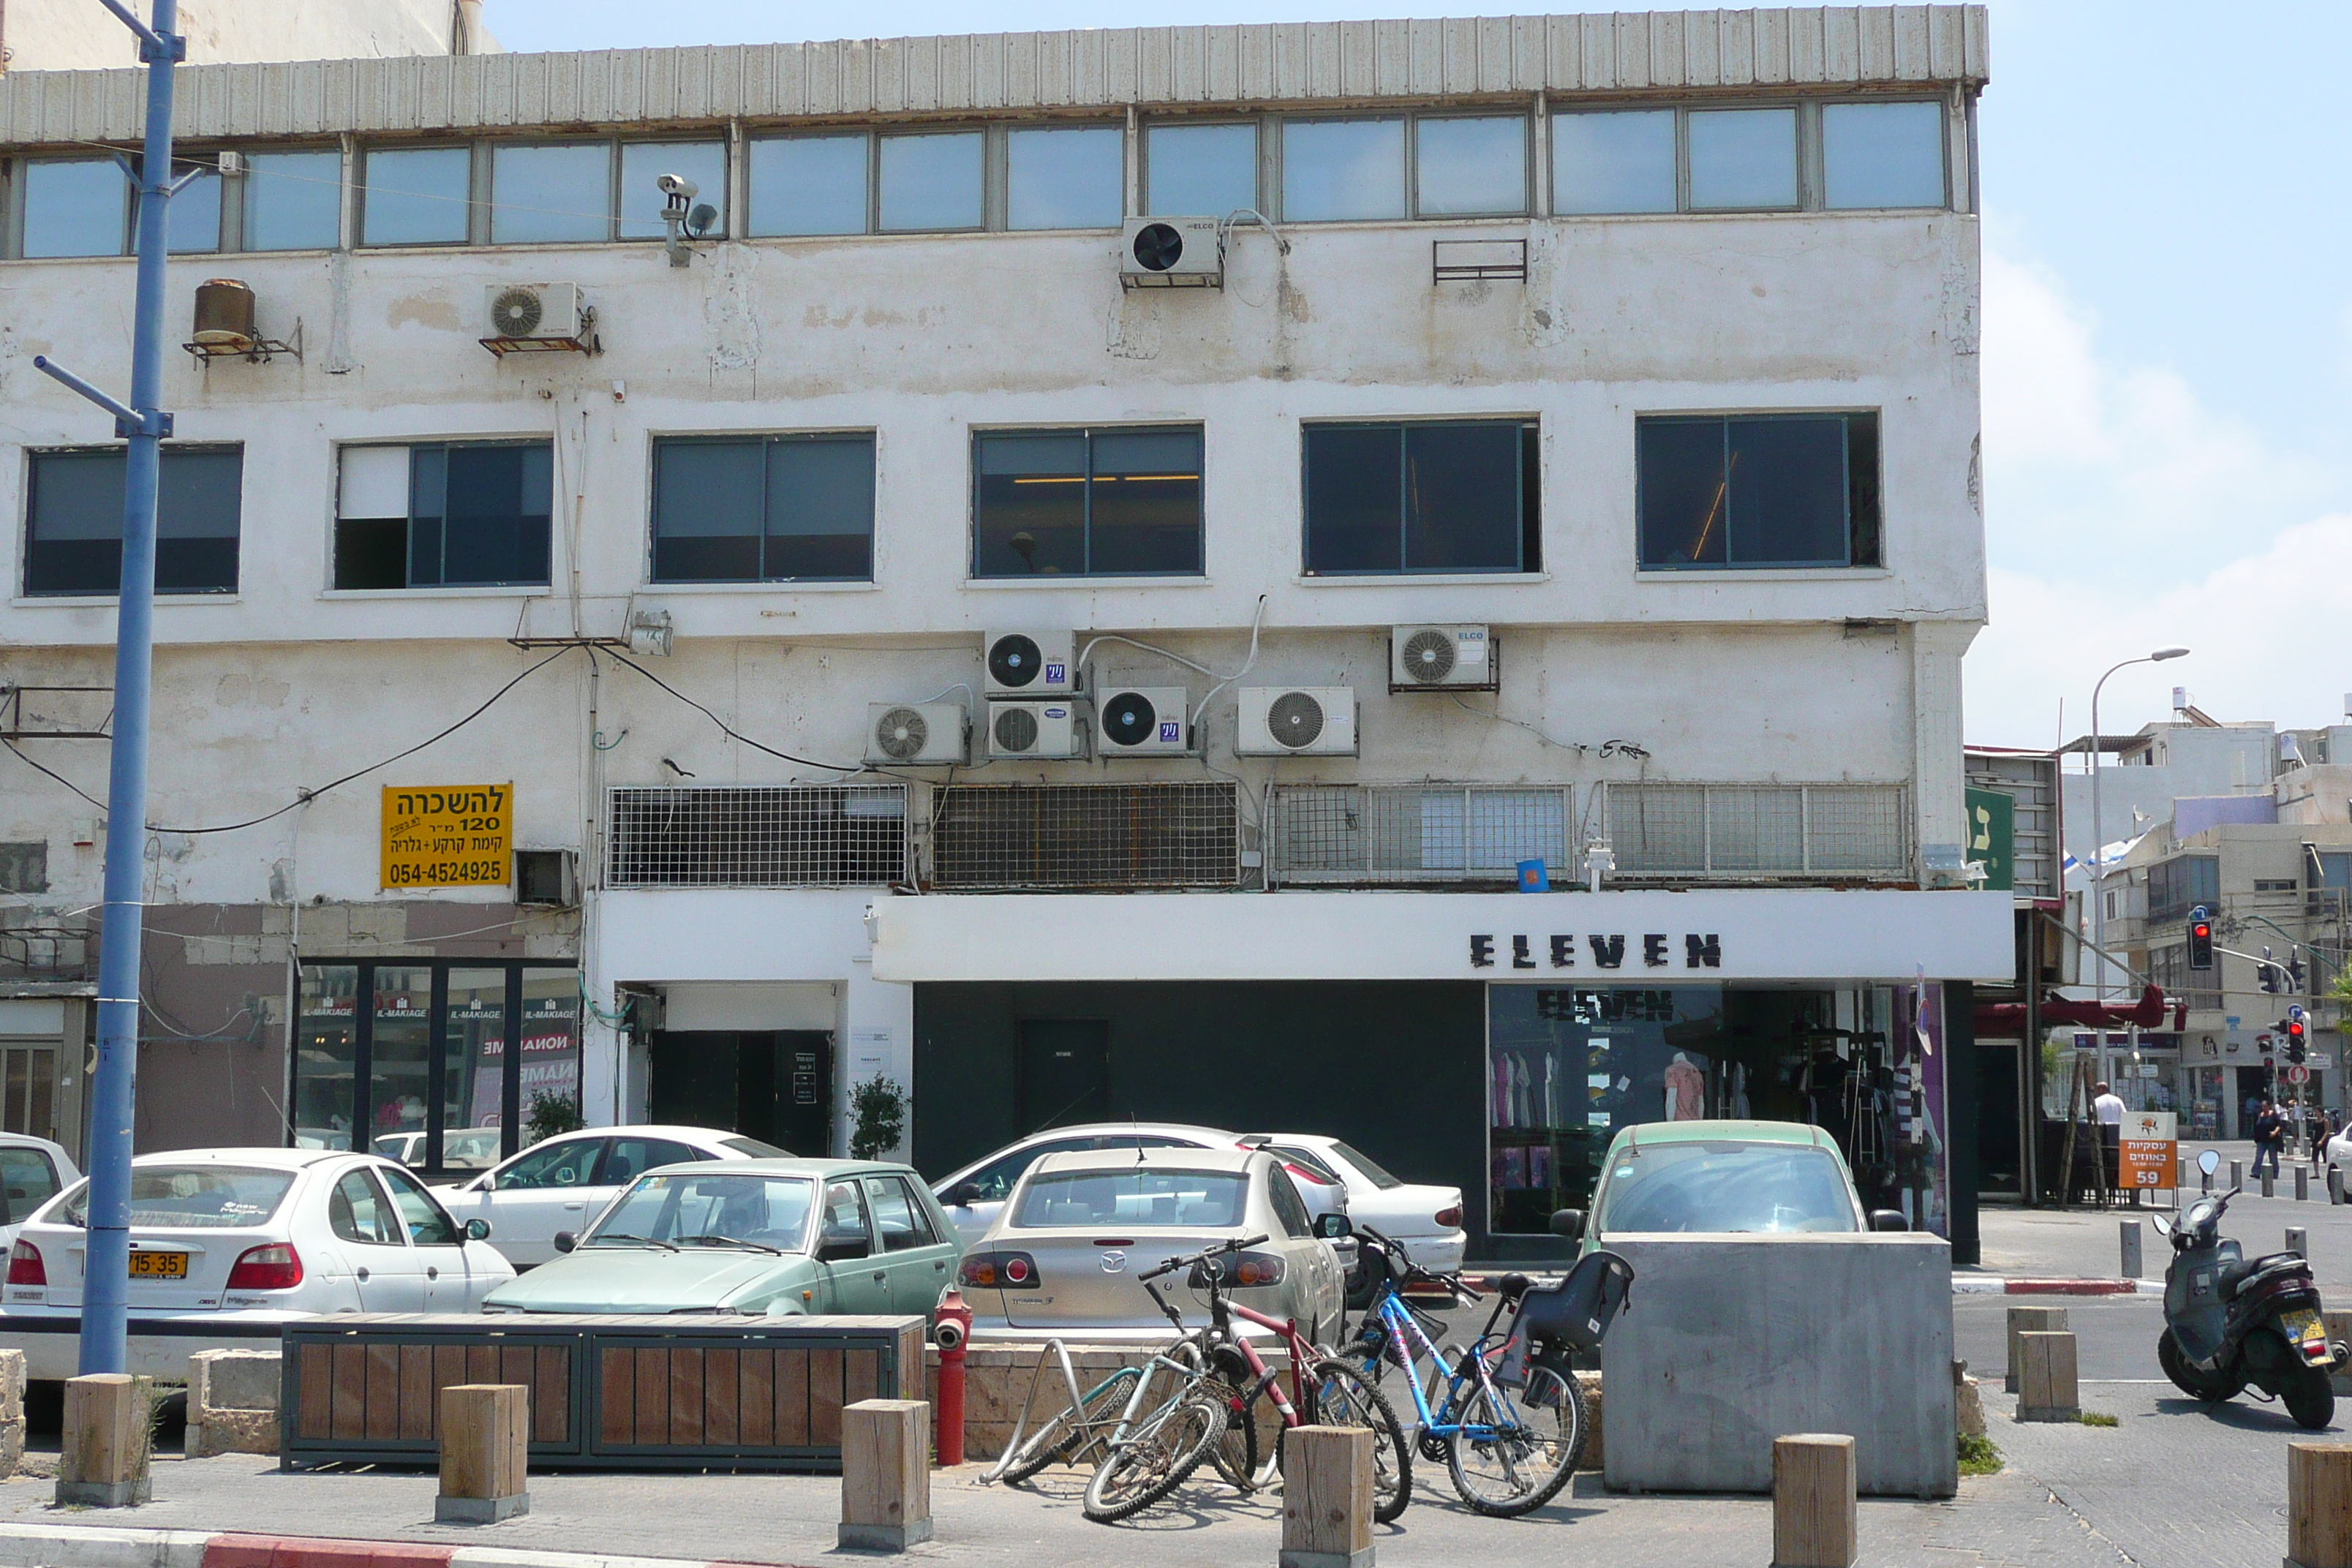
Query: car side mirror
964	1194
479	1231
1569	1223
488	1183
1888	1219
1333	1227
842	1245
564	1240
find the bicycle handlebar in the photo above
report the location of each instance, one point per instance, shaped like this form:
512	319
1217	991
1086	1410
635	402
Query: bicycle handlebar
1411	1270
1170	1265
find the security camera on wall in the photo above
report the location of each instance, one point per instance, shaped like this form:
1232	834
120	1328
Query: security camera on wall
686	219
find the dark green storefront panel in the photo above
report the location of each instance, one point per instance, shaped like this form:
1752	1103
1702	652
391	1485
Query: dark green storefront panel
1396	1069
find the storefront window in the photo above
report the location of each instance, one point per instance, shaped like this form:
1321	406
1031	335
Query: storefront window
1569	1067
324	1055
551	1038
474	1033
379	1043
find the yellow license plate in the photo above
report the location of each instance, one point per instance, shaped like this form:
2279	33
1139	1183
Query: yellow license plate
159	1265
2303	1326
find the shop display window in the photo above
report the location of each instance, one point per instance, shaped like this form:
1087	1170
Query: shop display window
412	1059
1570	1066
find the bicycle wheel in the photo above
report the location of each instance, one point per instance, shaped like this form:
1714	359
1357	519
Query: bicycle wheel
1072	1436
1155	1461
1234	1453
1525	1449
1342	1396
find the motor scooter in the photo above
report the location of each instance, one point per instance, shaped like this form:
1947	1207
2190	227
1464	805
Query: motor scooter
2229	1321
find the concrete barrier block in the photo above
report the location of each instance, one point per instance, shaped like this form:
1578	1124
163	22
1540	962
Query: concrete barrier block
1857	1331
109	1426
231	1403
2029	1320
1968	1403
885	1475
2046	1387
2339	1332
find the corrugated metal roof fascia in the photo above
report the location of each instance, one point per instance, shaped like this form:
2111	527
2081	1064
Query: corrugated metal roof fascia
1269	63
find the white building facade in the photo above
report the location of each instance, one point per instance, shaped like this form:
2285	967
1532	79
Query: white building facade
1638	353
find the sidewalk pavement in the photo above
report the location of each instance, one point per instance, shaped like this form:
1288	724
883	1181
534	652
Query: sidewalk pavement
601	1521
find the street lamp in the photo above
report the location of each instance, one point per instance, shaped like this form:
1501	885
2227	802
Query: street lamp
2099	837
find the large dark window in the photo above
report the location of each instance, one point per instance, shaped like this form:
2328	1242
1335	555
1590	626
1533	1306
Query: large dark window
1764	490
1074	503
2176	887
771	508
444	516
73	533
1456	496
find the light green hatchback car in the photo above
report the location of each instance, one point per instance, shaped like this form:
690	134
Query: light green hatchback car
786	1238
1721	1178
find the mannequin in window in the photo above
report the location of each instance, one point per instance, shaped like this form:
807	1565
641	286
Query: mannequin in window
1685	1090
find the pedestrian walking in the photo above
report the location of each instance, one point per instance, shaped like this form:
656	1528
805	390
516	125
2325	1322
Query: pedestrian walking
2107	1111
2270	1132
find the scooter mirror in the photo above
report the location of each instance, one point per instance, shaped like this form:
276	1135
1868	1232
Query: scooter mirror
2209	1161
2163	1226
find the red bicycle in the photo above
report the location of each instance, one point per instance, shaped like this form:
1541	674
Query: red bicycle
1325	1391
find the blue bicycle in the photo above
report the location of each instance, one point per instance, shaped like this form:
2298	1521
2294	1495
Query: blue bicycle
1510	1420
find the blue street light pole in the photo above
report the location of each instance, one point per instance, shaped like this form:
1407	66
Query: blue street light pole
106	1269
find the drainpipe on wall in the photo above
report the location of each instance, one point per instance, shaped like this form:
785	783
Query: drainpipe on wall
464	27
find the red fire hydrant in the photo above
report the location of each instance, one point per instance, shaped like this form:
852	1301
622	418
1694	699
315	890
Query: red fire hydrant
951	1329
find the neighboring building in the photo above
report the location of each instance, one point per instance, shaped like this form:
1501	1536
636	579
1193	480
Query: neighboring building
2015	803
77	36
2270	888
1636	356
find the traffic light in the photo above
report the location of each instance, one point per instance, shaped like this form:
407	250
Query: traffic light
2267	971
2200	939
2290	1031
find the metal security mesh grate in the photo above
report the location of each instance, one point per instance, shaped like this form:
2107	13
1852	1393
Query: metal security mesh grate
1085	836
1415	833
1758	830
786	836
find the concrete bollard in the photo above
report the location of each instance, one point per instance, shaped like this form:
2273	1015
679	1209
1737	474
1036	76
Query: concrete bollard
2319	1505
2339	1332
1326	1497
485	1453
2270	1185
231	1403
103	1463
885	1475
12	1412
1814	1519
2334	1184
2298	1241
2029	1320
2131	1239
2045	1385
2301	1184
2237	1173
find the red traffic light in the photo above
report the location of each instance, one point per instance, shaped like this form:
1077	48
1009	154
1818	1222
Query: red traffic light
2200	930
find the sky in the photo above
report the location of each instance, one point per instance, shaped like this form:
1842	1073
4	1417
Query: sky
2167	331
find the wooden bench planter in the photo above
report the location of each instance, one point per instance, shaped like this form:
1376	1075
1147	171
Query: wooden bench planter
671	1392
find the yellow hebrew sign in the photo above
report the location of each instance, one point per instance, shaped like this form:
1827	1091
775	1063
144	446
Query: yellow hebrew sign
455	836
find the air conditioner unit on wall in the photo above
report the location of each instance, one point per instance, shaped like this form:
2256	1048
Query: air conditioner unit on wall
1171	253
533	310
1442	658
1142	722
1297	721
911	733
1050	727
1032	664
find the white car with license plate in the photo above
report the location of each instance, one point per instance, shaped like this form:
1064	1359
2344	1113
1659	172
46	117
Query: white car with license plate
1061	1259
229	1245
563	1183
1426	1220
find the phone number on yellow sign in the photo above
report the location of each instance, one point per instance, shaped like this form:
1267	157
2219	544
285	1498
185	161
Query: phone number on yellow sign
433	872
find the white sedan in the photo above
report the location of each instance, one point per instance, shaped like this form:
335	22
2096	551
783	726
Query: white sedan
1427	1220
32	1172
227	1245
564	1181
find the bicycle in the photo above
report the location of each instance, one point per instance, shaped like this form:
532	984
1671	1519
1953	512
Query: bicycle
1324	1390
1505	1456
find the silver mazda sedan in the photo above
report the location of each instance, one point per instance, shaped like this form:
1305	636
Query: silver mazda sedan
1061	1257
